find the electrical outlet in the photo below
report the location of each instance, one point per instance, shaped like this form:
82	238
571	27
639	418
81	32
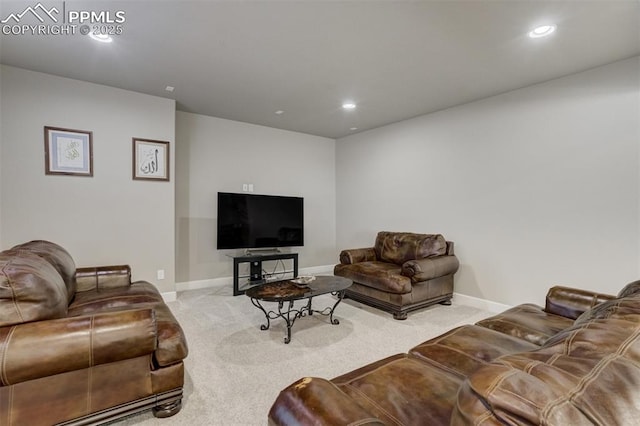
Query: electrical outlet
250	187
161	274
245	187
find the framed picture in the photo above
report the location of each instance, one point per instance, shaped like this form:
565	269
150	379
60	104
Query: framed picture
68	151
150	159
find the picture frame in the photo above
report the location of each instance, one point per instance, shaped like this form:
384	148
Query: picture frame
150	159
68	151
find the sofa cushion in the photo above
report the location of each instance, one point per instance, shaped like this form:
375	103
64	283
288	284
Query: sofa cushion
399	247
30	289
402	390
587	374
380	275
465	349
564	390
103	300
58	257
529	322
172	344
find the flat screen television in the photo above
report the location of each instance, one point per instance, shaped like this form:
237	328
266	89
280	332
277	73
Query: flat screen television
259	221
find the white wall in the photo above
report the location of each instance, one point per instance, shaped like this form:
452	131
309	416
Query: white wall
215	155
101	220
536	187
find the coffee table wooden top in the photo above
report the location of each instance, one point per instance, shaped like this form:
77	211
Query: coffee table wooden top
286	290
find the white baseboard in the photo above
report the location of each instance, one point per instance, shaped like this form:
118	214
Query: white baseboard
476	302
228	281
200	284
463	299
317	270
169	296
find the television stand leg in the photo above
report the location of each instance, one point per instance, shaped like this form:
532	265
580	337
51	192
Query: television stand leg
256	271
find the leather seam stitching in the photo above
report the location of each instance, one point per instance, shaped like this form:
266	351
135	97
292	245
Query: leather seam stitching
89	302
582	385
375	404
5	350
13	292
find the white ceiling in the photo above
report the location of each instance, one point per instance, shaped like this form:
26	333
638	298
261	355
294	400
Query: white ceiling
244	60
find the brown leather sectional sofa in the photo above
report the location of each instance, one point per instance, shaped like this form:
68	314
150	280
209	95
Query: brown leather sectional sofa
82	346
402	272
574	362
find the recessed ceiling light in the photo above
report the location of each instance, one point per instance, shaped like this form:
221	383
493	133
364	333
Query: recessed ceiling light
103	38
353	128
542	31
169	88
349	105
279	112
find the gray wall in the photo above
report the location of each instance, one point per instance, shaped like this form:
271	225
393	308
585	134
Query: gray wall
537	187
215	155
105	219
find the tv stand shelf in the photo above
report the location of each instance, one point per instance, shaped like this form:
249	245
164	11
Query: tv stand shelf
255	261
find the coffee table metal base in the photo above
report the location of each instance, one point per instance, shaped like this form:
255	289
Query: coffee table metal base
290	315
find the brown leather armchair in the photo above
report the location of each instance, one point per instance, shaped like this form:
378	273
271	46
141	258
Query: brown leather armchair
401	273
79	346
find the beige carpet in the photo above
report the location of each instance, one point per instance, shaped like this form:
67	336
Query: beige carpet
234	370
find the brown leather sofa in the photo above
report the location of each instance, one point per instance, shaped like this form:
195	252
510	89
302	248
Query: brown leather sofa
402	272
83	346
574	362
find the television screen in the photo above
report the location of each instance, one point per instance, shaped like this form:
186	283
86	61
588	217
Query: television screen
259	221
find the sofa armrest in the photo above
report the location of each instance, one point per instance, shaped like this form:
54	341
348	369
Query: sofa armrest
44	348
101	277
352	256
572	302
450	249
431	267
314	401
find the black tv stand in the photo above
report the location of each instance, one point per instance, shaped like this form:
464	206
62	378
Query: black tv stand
255	268
261	252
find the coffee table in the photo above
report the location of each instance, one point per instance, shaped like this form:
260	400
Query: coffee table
285	291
